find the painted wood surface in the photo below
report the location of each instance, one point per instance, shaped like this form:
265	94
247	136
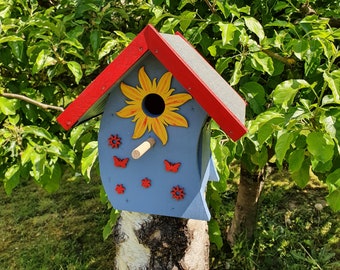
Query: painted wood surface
218	99
169	179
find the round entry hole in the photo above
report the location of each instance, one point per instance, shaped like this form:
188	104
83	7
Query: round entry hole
153	105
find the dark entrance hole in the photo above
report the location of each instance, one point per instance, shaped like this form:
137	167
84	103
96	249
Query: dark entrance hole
153	105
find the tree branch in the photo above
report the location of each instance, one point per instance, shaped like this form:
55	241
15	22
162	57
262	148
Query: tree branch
289	61
211	7
32	101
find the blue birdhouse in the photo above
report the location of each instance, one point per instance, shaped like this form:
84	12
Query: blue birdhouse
157	98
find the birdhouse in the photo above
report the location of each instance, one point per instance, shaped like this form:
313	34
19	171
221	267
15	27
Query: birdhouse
157	97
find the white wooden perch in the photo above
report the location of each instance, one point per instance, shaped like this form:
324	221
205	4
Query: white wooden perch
143	148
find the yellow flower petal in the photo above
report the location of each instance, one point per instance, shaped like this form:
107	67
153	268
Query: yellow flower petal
130	92
144	80
140	127
134	107
175	119
128	111
160	130
177	100
164	83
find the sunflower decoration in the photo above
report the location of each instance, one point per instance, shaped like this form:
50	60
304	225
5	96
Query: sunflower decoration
153	105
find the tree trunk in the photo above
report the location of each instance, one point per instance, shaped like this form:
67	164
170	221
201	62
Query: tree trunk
155	242
244	220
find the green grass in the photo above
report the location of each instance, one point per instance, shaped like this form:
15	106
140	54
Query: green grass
54	231
64	230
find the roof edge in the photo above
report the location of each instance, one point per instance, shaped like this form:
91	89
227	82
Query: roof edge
162	50
104	81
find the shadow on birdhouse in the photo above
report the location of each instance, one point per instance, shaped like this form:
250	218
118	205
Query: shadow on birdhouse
156	98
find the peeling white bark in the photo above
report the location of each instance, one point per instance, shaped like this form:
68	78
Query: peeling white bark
130	254
155	242
196	256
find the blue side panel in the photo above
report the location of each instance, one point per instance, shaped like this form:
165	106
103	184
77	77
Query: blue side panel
124	184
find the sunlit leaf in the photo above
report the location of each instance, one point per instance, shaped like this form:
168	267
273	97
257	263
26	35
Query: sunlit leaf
320	146
283	144
333	199
285	92
333	81
43	60
76	70
89	157
296	159
186	18
227	30
255	26
12	178
215	234
262	62
95	40
8	106
301	177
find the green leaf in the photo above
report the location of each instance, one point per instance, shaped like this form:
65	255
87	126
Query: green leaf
300	48
37	131
255	26
301	176
73	42
237	74
222	64
260	158
17	49
296	159
95	40
89	158
228	30
255	96
334	178
8	106
25	155
75	134
107	231
12	178
76	70
262	119
43	60
39	162
169	25
107	48
313	57
186	18
284	93
267	130
10	39
215	235
283	144
333	82
53	177
320	146
62	151
333	199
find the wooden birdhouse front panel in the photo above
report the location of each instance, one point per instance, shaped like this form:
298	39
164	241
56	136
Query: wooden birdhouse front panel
154	138
150	103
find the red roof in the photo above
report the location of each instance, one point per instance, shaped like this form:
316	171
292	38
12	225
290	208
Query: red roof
192	71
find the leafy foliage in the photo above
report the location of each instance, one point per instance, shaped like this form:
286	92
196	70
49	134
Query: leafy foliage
281	56
49	52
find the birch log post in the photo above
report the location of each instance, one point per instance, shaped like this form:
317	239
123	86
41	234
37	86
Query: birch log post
146	241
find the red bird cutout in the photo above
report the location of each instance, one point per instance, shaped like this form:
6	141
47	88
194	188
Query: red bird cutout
171	167
120	162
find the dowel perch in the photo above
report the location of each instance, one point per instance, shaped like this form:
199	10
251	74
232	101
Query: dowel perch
143	148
